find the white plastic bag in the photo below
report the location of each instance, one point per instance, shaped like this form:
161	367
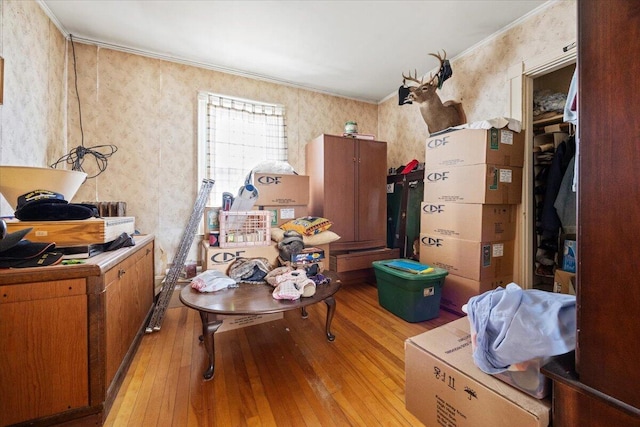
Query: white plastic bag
211	281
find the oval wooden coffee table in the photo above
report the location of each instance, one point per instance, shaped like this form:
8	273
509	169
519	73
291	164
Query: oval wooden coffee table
250	299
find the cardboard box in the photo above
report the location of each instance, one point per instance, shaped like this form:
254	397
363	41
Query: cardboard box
457	290
282	214
469	221
308	255
216	258
444	387
548	139
281	189
563	282
482	183
231	322
464	147
558	127
467	258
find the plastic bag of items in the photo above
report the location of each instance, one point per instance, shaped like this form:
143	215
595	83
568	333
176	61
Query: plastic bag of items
211	281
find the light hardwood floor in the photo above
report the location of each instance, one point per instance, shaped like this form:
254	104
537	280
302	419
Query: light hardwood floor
280	373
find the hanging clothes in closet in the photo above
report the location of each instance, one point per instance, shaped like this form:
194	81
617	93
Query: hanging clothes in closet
550	221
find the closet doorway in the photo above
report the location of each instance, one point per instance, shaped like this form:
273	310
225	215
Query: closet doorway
525	77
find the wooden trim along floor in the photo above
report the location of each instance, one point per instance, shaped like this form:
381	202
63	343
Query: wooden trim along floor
281	373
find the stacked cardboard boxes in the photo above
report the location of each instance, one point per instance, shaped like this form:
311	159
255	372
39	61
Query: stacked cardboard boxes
473	182
287	197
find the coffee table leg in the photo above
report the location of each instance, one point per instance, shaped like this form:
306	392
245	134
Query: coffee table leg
331	309
209	327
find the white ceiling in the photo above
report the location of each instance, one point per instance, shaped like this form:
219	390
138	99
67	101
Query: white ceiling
355	49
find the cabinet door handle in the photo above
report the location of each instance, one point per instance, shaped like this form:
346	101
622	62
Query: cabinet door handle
148	251
121	273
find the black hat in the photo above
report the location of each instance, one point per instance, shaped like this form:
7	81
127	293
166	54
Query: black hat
40	196
25	249
15	252
41	260
29	254
45	205
7	241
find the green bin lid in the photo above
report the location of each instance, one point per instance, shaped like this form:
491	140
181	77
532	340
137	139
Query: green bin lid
384	265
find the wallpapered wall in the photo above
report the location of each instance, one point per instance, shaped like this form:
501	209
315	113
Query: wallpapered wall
147	108
32	117
479	79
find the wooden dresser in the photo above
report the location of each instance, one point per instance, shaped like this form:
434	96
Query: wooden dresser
68	334
347	184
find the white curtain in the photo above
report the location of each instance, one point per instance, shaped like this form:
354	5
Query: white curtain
238	135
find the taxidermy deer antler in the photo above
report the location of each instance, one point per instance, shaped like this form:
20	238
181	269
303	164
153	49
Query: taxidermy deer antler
437	115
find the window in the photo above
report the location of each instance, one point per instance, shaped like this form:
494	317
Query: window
235	135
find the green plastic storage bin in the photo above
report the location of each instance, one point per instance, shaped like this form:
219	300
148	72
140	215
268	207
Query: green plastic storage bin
412	297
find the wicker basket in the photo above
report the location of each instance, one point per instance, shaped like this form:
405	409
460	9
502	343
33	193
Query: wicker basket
246	228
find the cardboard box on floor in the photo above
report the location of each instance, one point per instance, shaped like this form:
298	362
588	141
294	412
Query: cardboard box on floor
230	322
464	147
457	290
281	189
563	282
217	258
469	221
444	387
481	183
467	258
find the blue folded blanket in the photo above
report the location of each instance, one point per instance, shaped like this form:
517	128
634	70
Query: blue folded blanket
515	325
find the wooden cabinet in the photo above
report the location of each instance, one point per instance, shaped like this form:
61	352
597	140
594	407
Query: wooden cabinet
608	194
128	303
602	387
68	334
347	180
37	351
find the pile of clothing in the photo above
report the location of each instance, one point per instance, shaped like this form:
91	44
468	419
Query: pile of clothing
290	280
295	282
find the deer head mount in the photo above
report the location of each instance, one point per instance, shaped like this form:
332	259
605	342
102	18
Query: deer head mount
437	115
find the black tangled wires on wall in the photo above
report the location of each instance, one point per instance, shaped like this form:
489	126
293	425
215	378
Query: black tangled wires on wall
77	156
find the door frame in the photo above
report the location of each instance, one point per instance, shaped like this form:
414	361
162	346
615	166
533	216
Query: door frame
520	78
